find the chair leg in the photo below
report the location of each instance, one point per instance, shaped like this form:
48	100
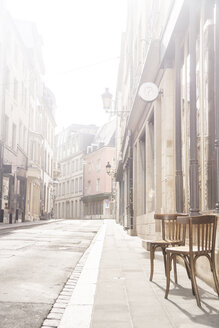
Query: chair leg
187	268
189	273
152	249
175	270
193	280
213	269
167	275
164	260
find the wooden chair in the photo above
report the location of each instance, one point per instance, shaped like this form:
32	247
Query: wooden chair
172	235
202	237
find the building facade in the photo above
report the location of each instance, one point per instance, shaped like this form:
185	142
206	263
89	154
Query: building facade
169	149
27	124
14	120
98	186
71	145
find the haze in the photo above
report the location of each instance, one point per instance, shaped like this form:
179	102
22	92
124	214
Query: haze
81	52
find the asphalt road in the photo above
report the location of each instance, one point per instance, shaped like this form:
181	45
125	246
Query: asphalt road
34	265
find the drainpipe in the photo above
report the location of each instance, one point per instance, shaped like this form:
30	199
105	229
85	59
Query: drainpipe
217	104
178	134
193	162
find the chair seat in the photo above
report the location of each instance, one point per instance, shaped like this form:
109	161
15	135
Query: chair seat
166	242
185	250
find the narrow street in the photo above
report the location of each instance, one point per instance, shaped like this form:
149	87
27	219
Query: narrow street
35	262
109	164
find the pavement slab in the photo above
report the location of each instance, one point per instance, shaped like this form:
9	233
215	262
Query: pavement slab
125	298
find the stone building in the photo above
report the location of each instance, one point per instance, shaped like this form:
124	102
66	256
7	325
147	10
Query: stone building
98	198
14	119
168	155
27	124
98	193
40	195
71	145
40	188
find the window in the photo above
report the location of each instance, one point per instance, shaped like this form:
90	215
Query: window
80	184
20	134
25	99
64	169
24	137
76	209
72	209
76	185
67	189
31	149
6	129
72	186
73	166
51	167
98	185
98	164
22	92
89	187
47	162
14	137
15	90
67	150
16	54
76	165
63	188
7	78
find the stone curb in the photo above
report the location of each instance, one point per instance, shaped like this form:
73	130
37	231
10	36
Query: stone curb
55	315
25	225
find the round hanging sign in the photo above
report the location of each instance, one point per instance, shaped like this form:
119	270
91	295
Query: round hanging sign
148	91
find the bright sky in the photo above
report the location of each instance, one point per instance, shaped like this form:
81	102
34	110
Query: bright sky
81	52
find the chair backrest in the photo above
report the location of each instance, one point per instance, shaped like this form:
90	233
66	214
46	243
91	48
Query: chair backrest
171	229
202	232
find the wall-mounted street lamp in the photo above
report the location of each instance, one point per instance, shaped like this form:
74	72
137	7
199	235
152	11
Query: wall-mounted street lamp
111	172
107	99
108	168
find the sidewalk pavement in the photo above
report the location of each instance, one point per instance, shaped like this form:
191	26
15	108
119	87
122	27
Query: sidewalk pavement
113	290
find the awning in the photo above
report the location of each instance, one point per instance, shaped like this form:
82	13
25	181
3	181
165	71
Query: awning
96	197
